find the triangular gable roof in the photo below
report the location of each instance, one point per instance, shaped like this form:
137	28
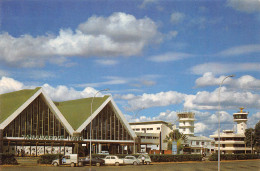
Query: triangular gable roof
117	111
12	104
78	111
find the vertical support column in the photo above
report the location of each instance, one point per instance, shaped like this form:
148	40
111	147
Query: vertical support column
114	126
48	121
36	149
1	141
37	118
110	126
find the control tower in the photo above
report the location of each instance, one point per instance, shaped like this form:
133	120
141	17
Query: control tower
186	123
241	119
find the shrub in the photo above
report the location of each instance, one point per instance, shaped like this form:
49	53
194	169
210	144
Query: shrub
47	158
214	157
8	159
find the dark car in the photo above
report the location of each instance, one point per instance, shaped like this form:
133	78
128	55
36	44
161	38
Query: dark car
94	161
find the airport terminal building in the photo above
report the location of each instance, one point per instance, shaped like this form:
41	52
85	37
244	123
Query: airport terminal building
32	124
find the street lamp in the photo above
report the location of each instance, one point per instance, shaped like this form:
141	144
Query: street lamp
135	115
90	144
219	119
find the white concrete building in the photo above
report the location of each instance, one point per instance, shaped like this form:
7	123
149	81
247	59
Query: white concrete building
186	123
200	145
194	144
152	134
231	142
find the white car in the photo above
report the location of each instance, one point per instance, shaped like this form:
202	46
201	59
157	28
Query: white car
113	160
131	160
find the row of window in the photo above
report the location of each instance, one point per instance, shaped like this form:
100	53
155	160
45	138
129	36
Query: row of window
201	143
148	137
143	129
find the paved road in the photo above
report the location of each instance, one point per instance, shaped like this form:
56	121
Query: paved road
251	165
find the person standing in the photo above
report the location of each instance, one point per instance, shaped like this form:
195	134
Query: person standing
143	158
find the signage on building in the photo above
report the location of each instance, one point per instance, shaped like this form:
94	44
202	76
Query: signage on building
174	147
69	138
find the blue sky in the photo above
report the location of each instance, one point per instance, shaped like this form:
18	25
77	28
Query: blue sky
157	57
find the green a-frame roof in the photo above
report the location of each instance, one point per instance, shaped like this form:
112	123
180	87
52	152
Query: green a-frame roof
77	111
10	102
74	114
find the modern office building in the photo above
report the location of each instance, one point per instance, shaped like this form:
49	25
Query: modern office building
32	124
194	144
232	142
186	123
152	134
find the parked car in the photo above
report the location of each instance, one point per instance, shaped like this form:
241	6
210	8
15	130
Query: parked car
94	161
131	160
69	159
147	159
104	153
113	160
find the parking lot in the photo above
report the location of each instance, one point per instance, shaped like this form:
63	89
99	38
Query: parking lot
245	165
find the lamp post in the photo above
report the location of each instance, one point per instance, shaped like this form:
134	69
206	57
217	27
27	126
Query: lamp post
90	143
135	115
219	119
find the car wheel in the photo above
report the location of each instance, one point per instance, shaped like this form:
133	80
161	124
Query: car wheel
147	163
55	164
97	164
135	163
72	164
80	164
117	164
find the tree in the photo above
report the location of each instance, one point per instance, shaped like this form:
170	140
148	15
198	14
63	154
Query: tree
175	135
257	137
250	138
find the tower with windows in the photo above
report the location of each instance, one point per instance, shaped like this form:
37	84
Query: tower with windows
186	123
241	119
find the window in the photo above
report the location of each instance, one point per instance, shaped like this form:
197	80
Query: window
202	143
197	143
113	158
184	129
158	128
138	129
184	123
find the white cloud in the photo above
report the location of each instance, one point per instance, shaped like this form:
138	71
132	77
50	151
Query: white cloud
240	50
107	62
245	82
117	35
204	100
146	2
172	34
224	68
112	80
177	17
254	119
63	93
248	6
200	127
59	93
169	57
3	73
8	85
153	100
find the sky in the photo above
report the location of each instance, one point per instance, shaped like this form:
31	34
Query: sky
157	57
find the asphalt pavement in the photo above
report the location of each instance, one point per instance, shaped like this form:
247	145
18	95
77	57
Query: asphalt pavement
243	165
